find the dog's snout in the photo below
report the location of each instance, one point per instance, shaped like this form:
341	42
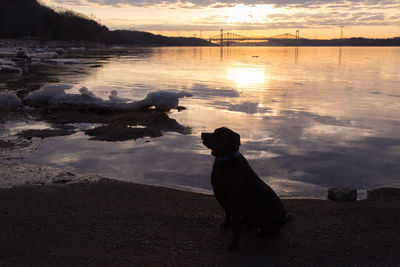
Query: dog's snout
205	135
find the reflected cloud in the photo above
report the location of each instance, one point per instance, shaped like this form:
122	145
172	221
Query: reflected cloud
166	161
339	133
245	107
204	91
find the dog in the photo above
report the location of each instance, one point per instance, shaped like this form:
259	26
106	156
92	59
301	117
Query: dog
239	191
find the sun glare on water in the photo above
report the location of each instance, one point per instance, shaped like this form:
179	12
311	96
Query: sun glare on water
246	76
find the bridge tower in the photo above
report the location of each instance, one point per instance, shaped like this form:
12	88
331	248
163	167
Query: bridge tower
297	34
341	32
222	37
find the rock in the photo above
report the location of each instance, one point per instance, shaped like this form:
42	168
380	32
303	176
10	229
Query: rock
60	50
342	194
21	53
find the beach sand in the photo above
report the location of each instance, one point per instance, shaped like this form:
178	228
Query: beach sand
112	223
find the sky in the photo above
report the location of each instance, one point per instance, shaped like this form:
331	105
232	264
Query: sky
319	19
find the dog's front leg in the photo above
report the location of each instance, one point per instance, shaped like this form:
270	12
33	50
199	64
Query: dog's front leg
227	222
235	244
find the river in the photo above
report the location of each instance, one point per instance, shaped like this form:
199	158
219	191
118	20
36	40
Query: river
310	118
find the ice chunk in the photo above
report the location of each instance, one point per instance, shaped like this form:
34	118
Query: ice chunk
165	100
78	48
44	95
62	61
7	53
115	98
10	69
9	100
55	94
57	87
44	55
6	62
89	95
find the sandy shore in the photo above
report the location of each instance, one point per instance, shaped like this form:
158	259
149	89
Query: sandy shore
111	223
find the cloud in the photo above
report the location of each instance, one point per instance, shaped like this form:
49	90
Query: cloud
207	15
230	3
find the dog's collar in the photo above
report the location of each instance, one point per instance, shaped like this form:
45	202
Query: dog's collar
227	157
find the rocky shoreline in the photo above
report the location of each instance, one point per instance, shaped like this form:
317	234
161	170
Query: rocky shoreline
36	43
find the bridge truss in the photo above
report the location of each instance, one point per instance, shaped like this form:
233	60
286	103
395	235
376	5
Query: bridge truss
230	38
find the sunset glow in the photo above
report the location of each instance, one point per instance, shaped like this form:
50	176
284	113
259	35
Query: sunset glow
314	19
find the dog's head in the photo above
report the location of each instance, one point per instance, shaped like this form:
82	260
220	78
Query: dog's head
222	141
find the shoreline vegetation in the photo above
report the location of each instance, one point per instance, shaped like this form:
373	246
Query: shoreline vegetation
32	21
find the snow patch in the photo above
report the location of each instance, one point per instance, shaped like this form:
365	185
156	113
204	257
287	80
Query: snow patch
9	100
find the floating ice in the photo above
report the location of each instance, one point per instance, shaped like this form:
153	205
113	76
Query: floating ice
55	94
9	100
163	100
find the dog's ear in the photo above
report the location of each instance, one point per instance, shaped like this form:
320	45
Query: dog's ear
236	139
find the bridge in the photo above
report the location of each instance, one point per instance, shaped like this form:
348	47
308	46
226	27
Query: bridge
230	38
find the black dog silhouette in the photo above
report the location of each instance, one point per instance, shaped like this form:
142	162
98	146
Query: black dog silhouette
238	189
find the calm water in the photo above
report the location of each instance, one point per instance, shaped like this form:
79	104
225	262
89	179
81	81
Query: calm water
309	118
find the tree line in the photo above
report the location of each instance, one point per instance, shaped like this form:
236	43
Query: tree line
31	19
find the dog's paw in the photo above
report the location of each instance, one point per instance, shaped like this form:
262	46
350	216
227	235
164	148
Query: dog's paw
288	217
233	247
225	225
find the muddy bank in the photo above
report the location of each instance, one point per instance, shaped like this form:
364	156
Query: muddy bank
97	124
114	223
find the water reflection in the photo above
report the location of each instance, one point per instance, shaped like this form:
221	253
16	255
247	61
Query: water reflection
247	76
305	124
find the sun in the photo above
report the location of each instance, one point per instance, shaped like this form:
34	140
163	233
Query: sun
248	14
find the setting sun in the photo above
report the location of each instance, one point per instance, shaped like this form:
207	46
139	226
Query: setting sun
248	14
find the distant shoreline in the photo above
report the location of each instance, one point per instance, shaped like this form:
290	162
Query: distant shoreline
6	43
